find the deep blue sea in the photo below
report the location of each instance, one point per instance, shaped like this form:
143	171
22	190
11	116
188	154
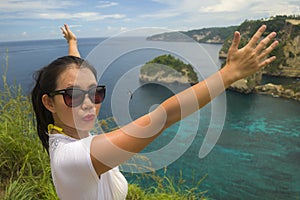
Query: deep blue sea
258	153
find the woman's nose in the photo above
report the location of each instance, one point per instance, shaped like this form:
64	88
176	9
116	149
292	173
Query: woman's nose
87	103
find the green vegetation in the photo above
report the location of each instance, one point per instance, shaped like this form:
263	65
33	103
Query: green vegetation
171	37
294	87
205	35
25	170
212	35
165	188
171	63
282	25
286	27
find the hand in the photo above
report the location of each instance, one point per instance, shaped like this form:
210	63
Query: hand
68	34
243	62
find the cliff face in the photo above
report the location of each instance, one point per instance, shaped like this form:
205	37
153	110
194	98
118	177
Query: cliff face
279	91
247	85
291	54
287	52
287	63
163	75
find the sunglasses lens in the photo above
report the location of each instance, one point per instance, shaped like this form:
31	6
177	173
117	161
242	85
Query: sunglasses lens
97	95
73	97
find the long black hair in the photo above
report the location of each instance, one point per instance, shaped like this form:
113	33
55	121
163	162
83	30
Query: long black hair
46	82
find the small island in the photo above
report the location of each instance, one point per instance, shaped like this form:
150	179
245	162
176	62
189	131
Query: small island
169	70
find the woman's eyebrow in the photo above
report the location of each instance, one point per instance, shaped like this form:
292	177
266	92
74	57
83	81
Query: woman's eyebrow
92	85
71	85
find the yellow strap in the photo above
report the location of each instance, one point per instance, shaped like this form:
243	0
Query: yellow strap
53	127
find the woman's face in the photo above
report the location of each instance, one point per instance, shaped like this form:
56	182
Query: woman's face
83	116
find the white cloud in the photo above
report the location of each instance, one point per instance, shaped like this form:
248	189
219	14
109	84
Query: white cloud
74	25
86	16
172	14
159	15
193	13
32	5
277	8
106	4
53	16
227	6
268	7
52	9
249	7
123	29
116	29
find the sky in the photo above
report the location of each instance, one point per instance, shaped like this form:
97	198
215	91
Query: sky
41	19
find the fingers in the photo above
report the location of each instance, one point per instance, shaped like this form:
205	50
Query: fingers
257	36
267	61
236	41
268	50
64	32
260	50
67	28
262	44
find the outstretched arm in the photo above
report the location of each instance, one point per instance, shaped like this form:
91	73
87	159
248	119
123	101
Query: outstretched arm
71	39
111	149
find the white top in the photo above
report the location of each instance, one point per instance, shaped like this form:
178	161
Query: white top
74	176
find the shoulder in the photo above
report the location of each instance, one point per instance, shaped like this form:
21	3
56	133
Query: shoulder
69	152
61	142
69	156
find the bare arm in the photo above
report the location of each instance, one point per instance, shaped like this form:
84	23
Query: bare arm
71	39
110	150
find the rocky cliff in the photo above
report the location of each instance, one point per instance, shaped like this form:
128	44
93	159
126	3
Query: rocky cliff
287	63
215	35
168	69
289	92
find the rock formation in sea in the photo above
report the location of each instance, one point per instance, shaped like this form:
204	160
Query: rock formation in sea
169	70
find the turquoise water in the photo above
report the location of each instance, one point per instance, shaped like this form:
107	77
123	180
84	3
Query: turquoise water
256	157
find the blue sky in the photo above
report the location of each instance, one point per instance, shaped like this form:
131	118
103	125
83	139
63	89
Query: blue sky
41	19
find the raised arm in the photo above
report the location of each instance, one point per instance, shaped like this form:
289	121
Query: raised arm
111	149
71	39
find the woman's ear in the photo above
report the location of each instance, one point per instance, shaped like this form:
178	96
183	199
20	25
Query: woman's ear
48	103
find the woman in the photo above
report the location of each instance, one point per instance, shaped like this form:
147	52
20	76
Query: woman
66	100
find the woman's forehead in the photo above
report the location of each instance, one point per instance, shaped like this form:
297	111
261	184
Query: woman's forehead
74	76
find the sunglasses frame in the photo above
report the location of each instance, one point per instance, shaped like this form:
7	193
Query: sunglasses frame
63	92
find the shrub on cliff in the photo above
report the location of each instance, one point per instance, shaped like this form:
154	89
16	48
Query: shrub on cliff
171	63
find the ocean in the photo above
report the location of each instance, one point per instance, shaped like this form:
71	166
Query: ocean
257	155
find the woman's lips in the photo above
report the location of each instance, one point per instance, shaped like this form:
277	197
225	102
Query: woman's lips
89	117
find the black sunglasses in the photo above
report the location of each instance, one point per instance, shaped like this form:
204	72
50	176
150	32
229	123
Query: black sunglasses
73	97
